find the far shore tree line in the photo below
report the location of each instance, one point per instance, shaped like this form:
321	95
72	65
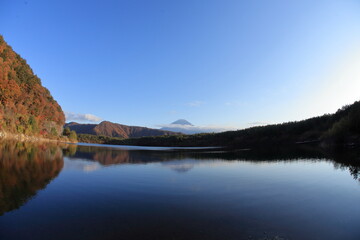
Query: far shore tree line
341	128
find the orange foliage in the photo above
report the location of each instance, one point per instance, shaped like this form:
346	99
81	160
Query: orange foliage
22	96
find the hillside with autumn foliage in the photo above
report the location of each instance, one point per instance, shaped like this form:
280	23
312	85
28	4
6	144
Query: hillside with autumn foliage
110	129
26	107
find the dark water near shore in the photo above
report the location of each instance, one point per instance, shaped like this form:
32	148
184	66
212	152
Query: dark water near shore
87	192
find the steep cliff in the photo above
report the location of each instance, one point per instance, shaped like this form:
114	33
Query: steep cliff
26	107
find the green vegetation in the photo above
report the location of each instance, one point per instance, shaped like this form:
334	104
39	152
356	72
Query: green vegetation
73	136
26	106
33	126
70	134
66	131
347	129
88	138
342	127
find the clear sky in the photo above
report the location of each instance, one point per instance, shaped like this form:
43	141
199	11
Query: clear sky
220	63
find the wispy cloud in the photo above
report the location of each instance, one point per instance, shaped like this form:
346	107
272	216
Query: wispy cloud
254	124
70	116
195	103
185	165
79	164
188	129
235	103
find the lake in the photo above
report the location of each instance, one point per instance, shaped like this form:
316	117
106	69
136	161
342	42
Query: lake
60	191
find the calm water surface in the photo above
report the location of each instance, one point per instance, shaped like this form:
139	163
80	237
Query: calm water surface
88	192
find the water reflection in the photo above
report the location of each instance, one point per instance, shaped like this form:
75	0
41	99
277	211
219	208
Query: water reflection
27	168
185	160
24	170
176	194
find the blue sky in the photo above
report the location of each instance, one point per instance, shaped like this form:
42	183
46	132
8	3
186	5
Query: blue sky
228	64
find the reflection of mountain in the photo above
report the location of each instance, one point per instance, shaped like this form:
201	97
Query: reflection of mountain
182	161
24	170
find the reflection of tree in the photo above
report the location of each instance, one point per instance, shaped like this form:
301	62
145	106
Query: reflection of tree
25	169
348	159
69	149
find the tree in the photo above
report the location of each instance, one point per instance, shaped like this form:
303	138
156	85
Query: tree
33	124
66	131
73	136
53	132
26	106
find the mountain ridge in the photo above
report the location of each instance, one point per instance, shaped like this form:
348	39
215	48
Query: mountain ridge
185	127
338	130
182	122
110	129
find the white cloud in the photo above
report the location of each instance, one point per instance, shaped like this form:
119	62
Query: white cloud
235	103
188	129
185	165
255	124
81	117
195	103
82	165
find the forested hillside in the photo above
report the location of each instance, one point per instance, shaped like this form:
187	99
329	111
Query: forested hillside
109	129
26	106
341	128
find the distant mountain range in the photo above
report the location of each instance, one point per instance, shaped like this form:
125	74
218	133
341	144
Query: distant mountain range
340	129
110	129
182	122
186	127
180	125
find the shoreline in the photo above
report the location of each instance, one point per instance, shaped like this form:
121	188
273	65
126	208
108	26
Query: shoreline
27	138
